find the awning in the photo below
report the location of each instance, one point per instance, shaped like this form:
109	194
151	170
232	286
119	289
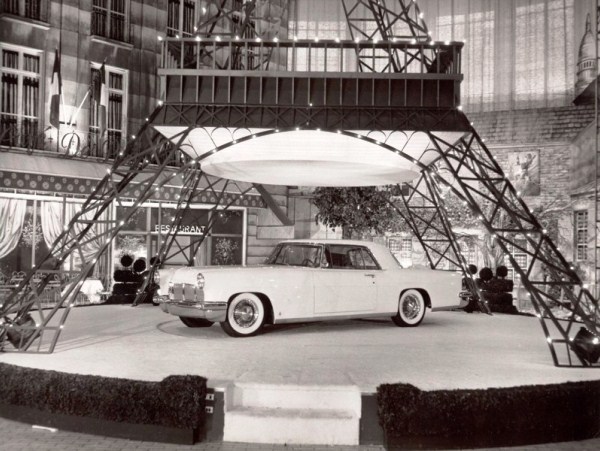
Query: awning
49	175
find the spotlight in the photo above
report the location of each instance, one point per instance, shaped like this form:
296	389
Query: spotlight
586	346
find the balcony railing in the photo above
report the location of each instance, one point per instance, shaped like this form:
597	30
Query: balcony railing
28	136
70	143
366	74
328	56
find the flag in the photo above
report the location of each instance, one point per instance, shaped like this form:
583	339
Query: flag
100	97
55	92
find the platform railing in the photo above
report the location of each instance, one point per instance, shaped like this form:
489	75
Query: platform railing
310	56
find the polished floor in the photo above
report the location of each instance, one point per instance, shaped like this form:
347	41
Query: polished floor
448	350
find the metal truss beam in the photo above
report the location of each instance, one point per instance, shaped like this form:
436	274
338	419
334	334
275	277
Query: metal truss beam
374	20
189	193
93	223
477	179
323	117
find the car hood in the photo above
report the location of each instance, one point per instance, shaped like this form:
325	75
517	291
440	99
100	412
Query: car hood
188	274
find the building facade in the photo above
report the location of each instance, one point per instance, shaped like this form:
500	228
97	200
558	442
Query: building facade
104	55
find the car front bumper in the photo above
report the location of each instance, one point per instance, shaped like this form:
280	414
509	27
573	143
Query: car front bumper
187	300
212	311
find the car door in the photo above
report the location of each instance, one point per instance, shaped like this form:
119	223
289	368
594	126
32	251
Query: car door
345	283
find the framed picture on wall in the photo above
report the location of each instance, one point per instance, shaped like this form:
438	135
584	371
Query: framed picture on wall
524	172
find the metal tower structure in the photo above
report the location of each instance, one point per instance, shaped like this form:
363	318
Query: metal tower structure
402	95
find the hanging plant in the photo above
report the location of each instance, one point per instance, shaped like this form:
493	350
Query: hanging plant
31	236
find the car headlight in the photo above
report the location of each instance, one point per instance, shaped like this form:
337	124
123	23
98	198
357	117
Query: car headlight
200	280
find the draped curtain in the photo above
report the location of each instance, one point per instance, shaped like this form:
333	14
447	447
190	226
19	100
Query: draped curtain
517	53
12	217
52	226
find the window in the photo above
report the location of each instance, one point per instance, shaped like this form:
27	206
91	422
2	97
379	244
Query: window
182	17
398	245
468	251
31	9
520	257
110	19
21	96
581	235
107	143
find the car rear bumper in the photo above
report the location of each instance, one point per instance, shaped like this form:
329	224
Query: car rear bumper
212	311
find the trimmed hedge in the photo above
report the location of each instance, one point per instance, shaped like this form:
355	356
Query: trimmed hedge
492	417
176	401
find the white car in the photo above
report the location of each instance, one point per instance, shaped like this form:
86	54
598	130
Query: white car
309	280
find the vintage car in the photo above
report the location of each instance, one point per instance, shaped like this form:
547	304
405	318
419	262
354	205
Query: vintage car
309	280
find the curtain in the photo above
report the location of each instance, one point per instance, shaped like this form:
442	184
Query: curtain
52	226
12	216
517	53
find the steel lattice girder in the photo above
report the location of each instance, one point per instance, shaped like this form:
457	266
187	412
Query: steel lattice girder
143	162
323	117
477	179
189	192
386	24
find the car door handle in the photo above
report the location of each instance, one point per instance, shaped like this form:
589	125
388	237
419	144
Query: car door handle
370	275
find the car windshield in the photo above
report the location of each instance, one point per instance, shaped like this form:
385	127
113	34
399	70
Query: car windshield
292	254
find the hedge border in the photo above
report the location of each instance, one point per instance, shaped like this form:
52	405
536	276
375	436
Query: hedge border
513	416
176	402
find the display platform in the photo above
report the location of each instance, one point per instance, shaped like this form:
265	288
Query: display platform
448	350
284	385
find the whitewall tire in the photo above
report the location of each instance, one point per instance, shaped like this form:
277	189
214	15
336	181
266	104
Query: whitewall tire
245	316
411	309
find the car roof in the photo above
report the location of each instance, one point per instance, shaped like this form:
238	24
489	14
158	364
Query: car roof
381	252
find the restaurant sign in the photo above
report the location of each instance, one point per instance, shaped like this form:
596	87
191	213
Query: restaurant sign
181	230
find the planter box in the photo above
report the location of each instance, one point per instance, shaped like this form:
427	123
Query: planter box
88	425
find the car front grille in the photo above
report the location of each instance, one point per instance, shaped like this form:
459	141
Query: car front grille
186	293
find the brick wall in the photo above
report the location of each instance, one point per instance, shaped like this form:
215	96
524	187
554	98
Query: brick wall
551	131
547	125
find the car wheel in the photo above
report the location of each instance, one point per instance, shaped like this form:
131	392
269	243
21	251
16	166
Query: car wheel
195	322
411	309
245	316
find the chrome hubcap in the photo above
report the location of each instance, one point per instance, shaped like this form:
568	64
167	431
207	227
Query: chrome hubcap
245	313
411	307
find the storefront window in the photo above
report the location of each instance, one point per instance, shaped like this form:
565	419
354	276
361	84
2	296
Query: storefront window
137	221
228	222
133	245
34	226
145	234
226	250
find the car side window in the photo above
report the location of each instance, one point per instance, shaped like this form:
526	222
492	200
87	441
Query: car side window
370	262
298	255
356	258
339	258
